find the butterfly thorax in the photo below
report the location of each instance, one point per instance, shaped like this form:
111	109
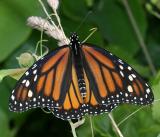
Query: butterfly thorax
77	61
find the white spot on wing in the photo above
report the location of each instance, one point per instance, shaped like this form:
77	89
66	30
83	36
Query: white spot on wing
13	97
35	78
126	94
121	67
133	75
129	68
148	90
20	104
130	77
121	73
27	73
30	93
27	83
24	81
34	99
35	71
130	89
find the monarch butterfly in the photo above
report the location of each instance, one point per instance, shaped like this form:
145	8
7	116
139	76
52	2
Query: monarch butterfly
79	79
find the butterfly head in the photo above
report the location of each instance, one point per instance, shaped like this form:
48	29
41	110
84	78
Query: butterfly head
74	39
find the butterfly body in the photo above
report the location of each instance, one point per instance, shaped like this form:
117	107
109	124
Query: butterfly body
79	79
77	61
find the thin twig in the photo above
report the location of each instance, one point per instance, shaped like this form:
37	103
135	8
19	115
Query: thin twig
91	123
75	125
115	125
130	115
59	23
73	128
157	100
139	36
55	26
48	16
126	118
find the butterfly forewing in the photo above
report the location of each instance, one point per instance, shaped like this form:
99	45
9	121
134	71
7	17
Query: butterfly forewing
45	84
76	80
112	80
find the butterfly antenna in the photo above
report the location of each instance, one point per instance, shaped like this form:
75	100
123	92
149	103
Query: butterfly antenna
83	21
93	30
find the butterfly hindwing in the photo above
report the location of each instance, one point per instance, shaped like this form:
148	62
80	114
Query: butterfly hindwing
54	82
72	107
112	80
45	83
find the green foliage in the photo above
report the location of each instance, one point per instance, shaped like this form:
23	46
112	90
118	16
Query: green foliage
156	87
115	33
4	131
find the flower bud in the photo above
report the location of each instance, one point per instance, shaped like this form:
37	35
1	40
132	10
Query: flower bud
26	59
53	4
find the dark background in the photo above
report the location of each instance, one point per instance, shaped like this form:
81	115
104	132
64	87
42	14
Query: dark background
115	33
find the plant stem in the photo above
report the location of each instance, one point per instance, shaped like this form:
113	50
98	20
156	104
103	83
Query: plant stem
139	36
48	16
115	125
130	116
58	19
90	118
75	125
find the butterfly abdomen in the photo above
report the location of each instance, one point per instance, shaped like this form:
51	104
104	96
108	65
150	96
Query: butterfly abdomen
82	87
77	59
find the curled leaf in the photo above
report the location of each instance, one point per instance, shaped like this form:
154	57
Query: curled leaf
14	73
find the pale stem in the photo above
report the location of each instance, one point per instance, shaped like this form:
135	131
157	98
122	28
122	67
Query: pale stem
139	36
59	23
126	118
115	125
157	100
75	125
48	16
91	123
58	19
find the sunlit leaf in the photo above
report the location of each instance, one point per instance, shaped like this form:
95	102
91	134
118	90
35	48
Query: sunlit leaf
14	73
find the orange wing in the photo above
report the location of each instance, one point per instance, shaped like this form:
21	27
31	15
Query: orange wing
72	107
111	81
51	82
45	84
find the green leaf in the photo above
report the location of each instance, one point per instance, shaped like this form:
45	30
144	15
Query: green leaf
14	30
100	127
14	73
155	109
70	9
4	127
85	129
115	25
101	124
